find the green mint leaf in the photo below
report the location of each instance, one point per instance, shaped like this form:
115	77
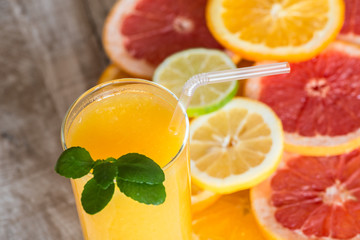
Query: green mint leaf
94	198
74	162
104	174
137	168
142	192
98	162
110	159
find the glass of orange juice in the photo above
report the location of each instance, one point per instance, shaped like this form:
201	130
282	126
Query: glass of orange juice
127	116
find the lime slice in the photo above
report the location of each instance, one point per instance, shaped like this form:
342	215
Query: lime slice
175	70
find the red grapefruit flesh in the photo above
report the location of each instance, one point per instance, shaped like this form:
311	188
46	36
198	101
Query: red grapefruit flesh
311	198
318	102
351	28
140	34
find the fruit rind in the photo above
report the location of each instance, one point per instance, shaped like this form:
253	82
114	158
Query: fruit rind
351	38
349	32
323	150
198	111
262	202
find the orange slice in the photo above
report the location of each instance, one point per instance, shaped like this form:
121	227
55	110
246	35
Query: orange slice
229	218
112	72
200	198
278	30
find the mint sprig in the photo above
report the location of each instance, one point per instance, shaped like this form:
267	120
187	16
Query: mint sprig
105	173
74	162
134	167
136	175
143	192
94	197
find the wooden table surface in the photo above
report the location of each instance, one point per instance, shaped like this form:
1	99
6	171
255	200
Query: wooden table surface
50	52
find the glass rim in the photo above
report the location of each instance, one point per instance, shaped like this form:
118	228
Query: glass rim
130	81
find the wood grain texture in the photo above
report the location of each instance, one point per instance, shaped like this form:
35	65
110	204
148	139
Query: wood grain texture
50	52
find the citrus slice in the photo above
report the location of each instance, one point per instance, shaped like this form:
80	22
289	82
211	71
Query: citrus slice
236	147
318	102
181	66
140	34
277	30
229	218
351	28
112	72
200	198
311	198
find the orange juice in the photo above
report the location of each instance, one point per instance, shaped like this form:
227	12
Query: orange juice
124	117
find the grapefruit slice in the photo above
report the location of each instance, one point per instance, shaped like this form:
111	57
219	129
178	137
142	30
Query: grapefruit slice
350	31
311	198
140	34
318	102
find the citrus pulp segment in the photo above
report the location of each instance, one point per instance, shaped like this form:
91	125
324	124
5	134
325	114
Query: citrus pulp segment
200	198
317	101
351	29
236	147
275	30
229	218
311	198
175	70
139	34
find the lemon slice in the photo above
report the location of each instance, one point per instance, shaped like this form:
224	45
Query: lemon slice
275	30
179	67
236	147
200	198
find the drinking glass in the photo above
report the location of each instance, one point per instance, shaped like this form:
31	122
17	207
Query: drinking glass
124	116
